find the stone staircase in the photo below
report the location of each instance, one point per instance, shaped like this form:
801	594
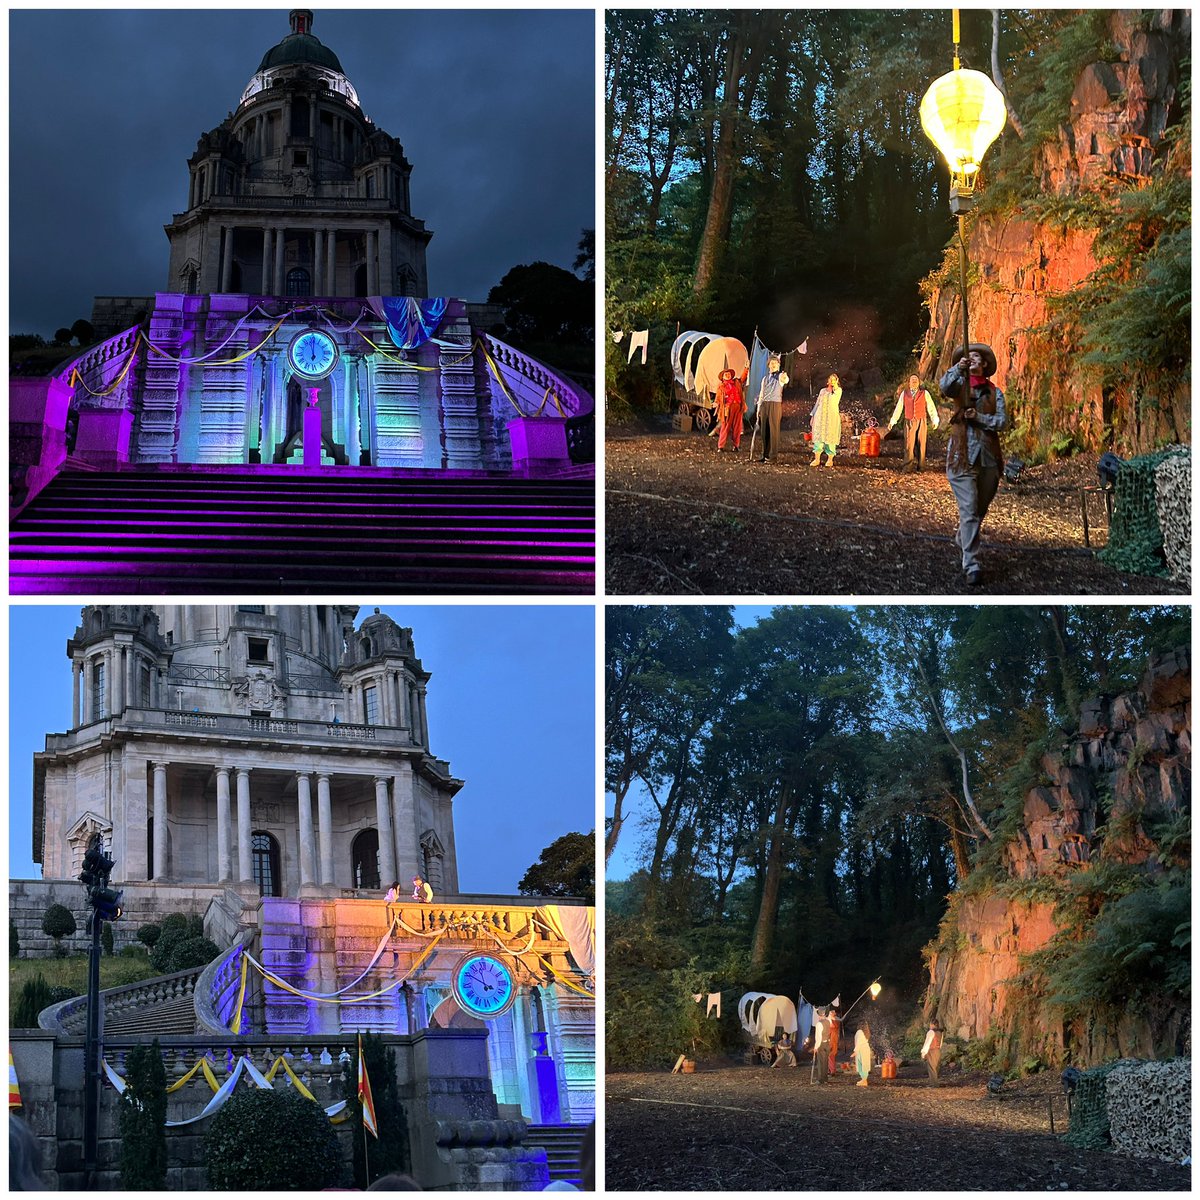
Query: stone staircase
562	1144
150	1008
273	530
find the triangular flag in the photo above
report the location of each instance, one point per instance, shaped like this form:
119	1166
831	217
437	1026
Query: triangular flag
364	1093
697	996
14	1088
803	347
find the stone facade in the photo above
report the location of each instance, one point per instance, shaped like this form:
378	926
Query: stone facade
220	744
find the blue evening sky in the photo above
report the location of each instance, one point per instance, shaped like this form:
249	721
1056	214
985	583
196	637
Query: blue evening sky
495	110
511	705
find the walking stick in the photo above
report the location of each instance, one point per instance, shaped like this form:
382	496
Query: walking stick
754	432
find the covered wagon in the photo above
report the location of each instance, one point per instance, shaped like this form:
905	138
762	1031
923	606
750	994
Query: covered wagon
765	1018
697	360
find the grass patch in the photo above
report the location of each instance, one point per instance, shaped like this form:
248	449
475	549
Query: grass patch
71	972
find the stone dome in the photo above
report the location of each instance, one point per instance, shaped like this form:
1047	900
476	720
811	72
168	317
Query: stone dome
299	48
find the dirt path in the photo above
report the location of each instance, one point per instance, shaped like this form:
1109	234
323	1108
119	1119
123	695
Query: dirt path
682	519
754	1129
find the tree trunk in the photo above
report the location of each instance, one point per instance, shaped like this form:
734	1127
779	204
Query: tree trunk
768	908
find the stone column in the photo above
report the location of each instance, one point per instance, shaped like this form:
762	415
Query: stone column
408	850
76	675
160	820
383	691
331	268
319	263
387	852
245	864
304	802
224	820
226	257
424	715
133	693
118	681
266	266
325	827
277	287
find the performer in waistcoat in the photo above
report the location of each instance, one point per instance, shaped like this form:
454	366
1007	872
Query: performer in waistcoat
973	456
769	408
915	403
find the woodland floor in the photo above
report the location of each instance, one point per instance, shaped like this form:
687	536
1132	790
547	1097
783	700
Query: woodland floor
739	1128
681	519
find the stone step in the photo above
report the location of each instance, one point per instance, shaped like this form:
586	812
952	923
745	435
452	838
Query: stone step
562	1144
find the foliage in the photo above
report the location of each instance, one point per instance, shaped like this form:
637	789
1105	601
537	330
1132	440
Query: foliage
191	952
390	1153
34	997
148	934
71	972
271	1141
106	937
14	939
544	303
141	1117
58	923
567	867
177	928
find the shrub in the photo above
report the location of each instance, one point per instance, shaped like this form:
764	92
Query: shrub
390	1154
58	923
62	991
267	1141
148	934
106	937
35	996
14	940
141	1113
132	950
191	952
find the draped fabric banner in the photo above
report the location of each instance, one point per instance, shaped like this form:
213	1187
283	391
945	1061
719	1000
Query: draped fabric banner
576	925
410	322
335	1112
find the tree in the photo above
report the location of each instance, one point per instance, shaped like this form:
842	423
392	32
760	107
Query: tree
567	867
544	303
141	1116
62	336
35	996
58	923
264	1140
83	332
389	1153
585	260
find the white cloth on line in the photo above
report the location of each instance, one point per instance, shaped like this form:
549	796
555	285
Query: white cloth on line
639	338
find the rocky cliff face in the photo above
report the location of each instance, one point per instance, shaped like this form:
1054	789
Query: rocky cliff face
1118	114
1103	797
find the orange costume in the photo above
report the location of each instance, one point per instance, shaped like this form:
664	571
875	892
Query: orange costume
731	405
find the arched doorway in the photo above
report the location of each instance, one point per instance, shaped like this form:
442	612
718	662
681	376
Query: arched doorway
264	857
364	861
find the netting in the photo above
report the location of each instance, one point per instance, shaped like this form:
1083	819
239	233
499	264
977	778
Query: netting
1173	488
1135	540
1089	1110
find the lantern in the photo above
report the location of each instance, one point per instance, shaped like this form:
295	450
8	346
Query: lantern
876	988
962	114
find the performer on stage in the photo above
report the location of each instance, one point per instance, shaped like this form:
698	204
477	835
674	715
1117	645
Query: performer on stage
731	405
827	422
770	406
915	403
973	456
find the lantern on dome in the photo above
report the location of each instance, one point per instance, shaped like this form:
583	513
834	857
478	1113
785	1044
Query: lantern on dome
962	114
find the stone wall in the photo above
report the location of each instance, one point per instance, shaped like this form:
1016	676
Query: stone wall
1131	755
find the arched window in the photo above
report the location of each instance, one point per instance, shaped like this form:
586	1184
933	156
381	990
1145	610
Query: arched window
364	855
299	282
406	281
189	281
264	854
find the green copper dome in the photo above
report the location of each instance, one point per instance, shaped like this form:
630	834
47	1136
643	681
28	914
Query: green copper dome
300	47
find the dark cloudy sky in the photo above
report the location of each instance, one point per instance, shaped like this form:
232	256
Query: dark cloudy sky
494	110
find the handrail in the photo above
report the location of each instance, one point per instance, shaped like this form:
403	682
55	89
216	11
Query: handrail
69	1016
98	368
534	387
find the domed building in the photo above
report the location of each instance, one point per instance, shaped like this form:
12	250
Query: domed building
301	408
268	770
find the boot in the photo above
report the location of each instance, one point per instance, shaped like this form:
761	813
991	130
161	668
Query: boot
816	462
830	462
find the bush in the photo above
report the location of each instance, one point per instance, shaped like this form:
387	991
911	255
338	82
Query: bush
390	1154
176	929
62	991
132	950
191	952
14	940
35	996
269	1141
148	934
141	1113
58	923
106	937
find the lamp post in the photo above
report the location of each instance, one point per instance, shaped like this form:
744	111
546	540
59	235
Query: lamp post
962	113
874	988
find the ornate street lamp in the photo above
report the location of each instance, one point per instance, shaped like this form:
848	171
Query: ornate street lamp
962	114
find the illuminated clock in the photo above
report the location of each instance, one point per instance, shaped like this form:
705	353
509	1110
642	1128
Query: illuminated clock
312	354
483	986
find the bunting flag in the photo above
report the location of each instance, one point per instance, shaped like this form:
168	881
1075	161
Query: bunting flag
364	1094
802	348
14	1088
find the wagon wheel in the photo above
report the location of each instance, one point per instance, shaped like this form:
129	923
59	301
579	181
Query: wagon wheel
703	419
684	409
763	1055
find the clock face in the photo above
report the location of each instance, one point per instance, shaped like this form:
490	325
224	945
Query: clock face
313	354
483	986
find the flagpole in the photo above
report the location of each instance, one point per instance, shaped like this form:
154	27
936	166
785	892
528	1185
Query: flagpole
366	1159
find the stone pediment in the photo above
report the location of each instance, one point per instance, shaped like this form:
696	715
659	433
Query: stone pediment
87	825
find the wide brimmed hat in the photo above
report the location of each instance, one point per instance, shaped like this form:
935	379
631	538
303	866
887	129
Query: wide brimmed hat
728	373
989	356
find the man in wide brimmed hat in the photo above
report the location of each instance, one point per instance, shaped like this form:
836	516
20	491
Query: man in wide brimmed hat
973	457
731	404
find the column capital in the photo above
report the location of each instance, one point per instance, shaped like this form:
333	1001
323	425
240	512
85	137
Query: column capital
223	771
